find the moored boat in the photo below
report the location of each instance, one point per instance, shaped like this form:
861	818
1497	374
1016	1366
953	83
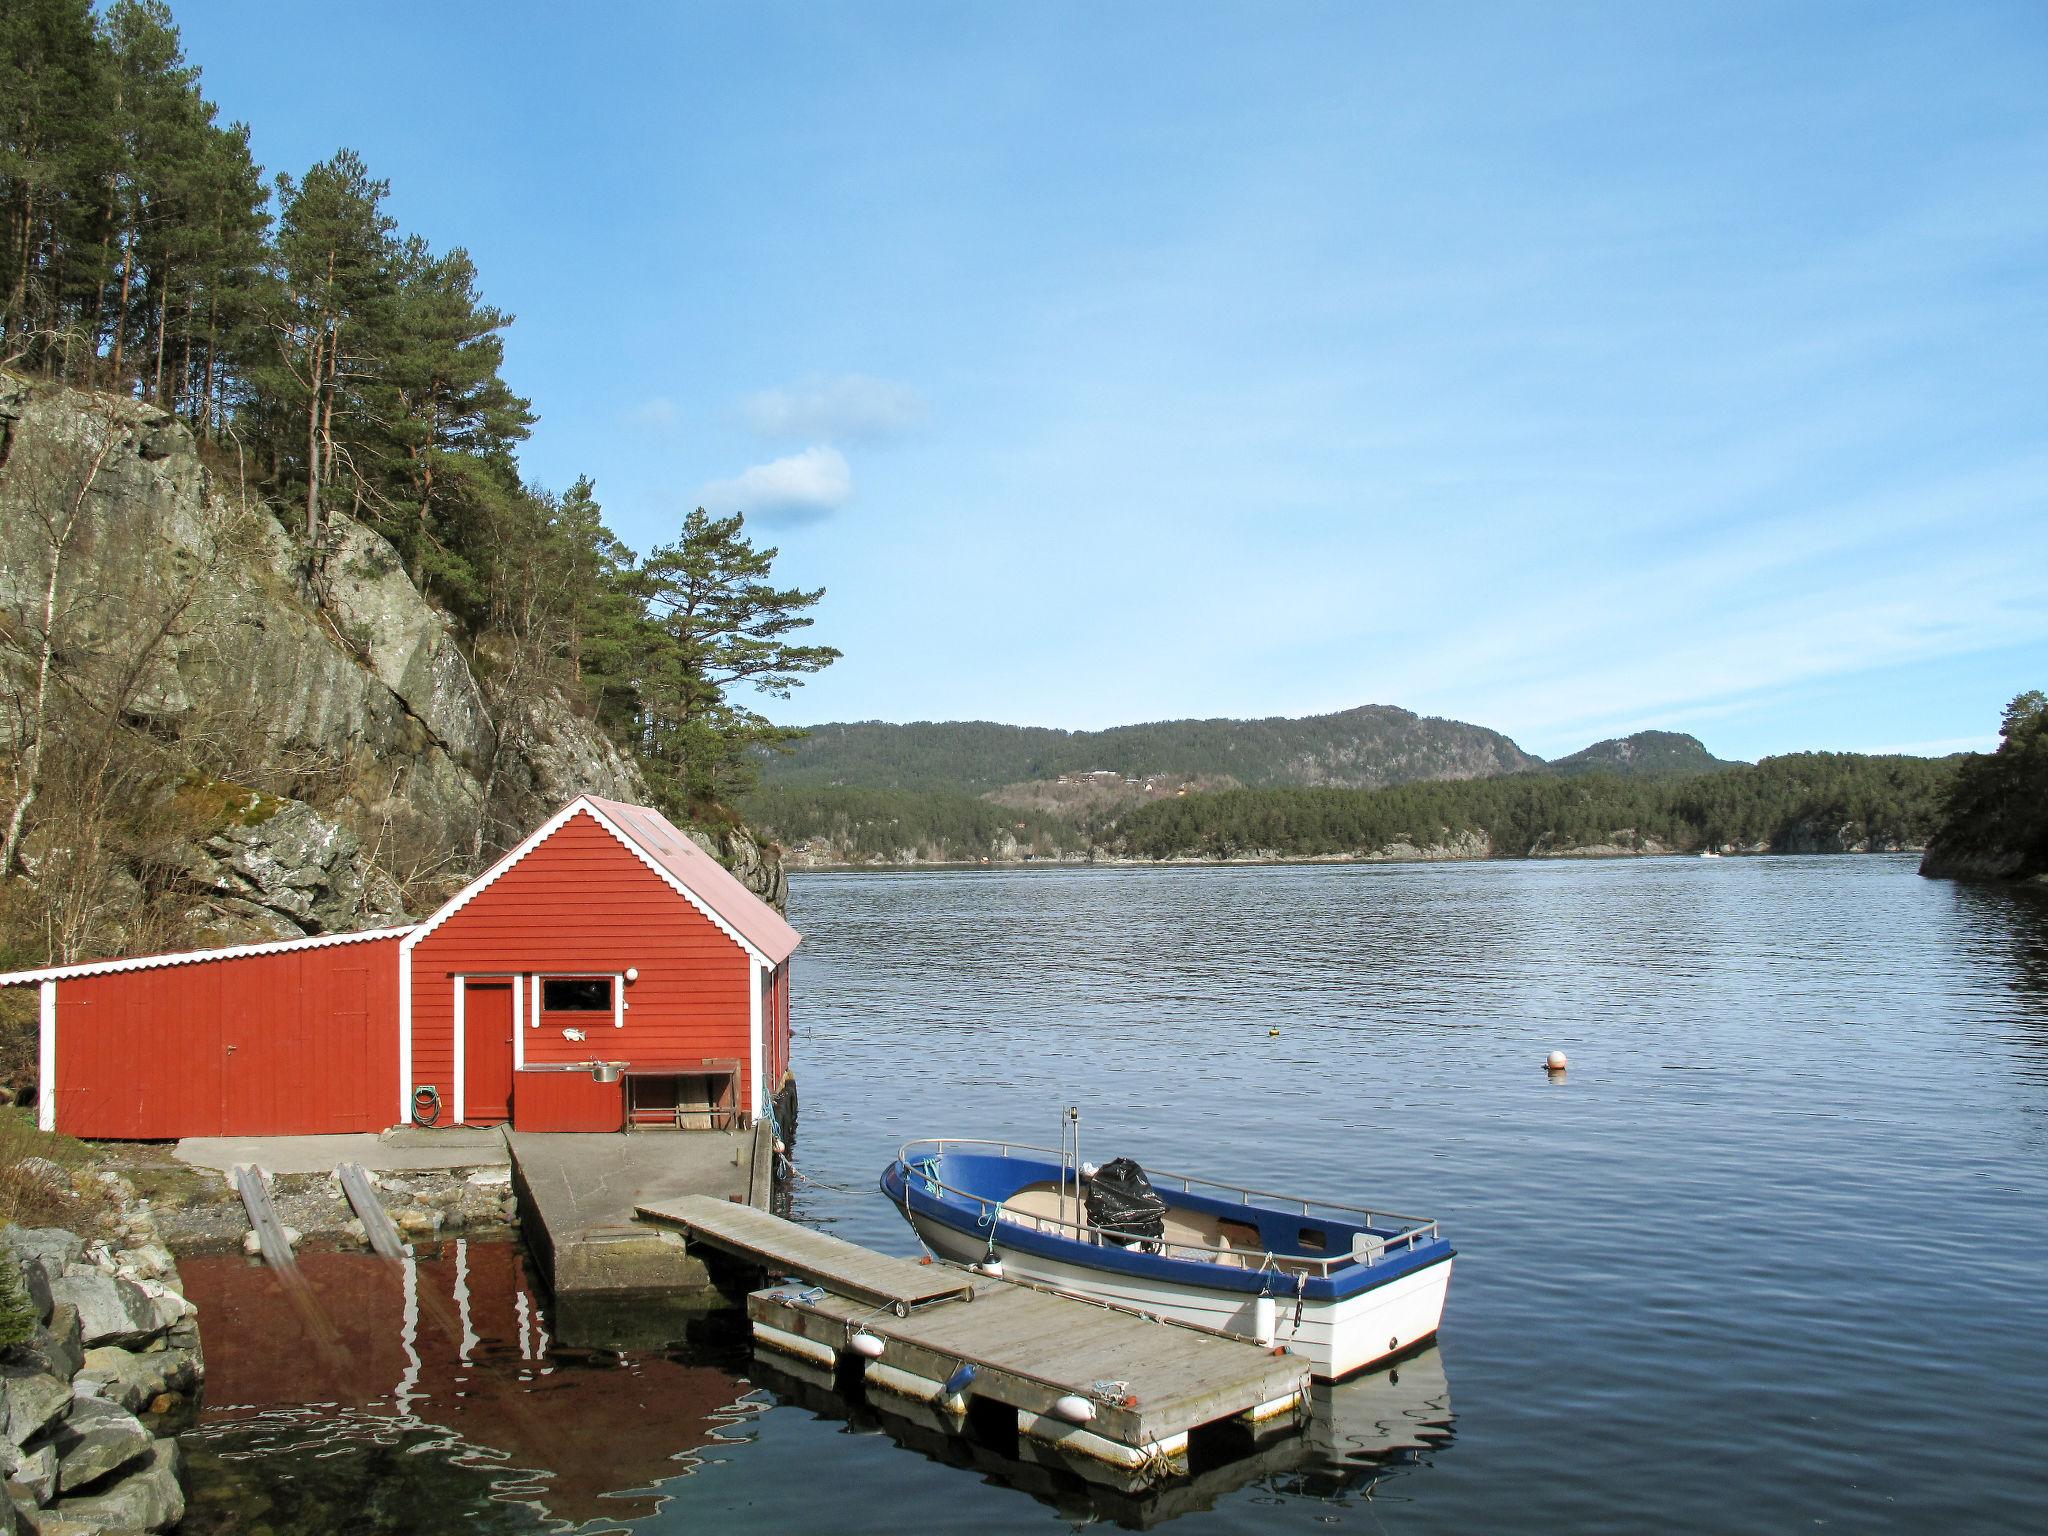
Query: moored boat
1341	1286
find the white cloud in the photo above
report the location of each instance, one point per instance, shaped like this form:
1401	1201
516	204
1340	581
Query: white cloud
799	488
852	407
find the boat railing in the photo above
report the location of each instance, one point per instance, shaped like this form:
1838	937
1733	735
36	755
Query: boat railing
1395	1233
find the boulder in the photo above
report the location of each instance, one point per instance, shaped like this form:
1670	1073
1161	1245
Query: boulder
33	1399
170	1306
130	1380
147	1499
45	1253
297	866
36	1470
110	1310
35	1284
148	1261
99	1439
53	1245
57	1347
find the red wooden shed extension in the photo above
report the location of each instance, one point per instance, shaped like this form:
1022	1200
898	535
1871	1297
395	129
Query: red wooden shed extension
605	937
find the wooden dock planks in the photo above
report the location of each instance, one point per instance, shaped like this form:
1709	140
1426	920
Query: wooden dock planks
1150	1382
785	1248
1031	1347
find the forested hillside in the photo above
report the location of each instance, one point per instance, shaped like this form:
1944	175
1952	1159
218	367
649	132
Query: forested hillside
889	826
1646	754
1810	802
1994	820
1363	747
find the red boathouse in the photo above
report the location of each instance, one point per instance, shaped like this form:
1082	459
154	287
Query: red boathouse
606	971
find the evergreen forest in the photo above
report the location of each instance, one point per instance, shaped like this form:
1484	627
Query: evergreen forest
1804	802
1994	819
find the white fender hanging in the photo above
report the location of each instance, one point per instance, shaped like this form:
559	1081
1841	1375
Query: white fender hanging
1074	1409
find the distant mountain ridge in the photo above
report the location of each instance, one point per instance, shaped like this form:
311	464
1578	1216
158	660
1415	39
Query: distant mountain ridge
1645	755
1369	747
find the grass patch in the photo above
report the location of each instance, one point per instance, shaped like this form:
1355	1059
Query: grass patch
212	804
39	1183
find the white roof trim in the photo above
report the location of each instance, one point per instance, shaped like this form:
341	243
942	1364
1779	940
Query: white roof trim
668	879
541	834
196	956
489	877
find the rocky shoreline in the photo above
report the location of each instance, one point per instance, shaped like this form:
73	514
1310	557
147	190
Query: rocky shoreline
93	1396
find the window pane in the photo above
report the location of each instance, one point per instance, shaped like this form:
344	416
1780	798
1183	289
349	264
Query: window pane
577	994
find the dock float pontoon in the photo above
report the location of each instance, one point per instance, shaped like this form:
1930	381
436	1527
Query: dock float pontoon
1115	1393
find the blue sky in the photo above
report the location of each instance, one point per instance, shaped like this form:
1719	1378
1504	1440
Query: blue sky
1569	369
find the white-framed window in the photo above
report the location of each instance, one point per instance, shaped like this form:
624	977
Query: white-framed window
582	998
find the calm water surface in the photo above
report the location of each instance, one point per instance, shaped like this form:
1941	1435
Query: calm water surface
1773	1255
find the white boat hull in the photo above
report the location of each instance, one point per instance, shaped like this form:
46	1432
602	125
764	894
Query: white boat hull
1336	1337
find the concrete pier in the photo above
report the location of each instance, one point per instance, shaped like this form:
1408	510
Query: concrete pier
579	1196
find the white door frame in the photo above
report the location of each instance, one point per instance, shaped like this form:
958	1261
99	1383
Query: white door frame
461	984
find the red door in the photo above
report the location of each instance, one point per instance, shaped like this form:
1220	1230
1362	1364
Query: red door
486	1051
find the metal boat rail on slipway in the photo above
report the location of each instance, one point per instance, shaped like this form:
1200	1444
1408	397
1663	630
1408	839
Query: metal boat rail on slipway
924	1159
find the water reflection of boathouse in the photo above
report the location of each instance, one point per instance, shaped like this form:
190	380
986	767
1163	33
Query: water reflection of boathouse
456	1342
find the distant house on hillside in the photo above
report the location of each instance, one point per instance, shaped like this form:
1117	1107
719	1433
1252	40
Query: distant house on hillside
606	937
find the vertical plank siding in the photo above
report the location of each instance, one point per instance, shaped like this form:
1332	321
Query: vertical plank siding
582	904
566	1101
247	1045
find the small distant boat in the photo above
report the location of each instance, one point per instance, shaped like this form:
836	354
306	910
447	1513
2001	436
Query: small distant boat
1708	853
1339	1285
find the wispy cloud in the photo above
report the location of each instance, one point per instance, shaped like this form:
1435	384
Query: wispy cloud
849	407
799	488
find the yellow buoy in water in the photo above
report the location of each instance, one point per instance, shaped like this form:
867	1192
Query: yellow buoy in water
1272	1034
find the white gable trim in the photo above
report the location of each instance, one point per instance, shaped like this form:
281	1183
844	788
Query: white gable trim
490	877
668	879
194	956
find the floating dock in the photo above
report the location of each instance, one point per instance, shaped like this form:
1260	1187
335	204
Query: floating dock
1117	1395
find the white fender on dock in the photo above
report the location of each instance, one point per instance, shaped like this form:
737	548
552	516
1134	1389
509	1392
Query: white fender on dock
1074	1409
866	1344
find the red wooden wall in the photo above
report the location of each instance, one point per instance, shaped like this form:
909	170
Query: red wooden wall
300	1041
566	1101
582	903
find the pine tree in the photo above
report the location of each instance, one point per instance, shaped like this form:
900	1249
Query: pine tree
451	412
334	300
718	624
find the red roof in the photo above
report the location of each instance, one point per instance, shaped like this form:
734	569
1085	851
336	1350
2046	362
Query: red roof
658	840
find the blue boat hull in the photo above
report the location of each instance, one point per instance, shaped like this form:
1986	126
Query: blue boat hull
1340	1321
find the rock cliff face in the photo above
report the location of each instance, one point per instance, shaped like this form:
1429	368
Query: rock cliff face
377	763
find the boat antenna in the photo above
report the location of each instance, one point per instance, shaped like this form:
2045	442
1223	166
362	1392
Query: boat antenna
1070	1138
